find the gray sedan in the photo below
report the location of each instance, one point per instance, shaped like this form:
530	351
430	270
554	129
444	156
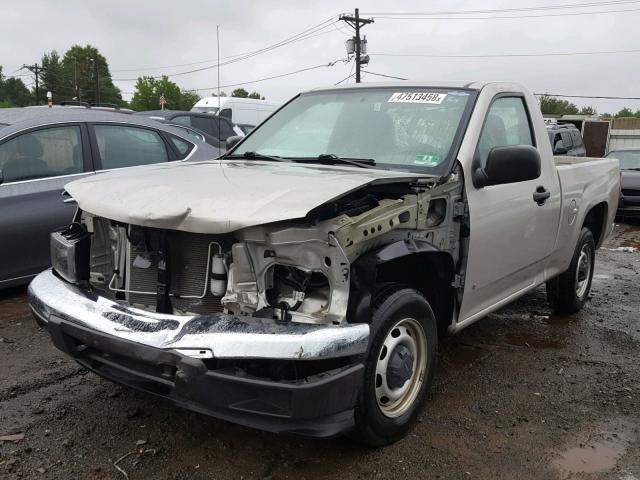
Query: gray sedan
42	149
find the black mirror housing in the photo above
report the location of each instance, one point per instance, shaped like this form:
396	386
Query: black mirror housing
509	164
233	141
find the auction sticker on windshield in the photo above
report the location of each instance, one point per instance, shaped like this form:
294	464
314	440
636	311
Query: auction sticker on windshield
417	97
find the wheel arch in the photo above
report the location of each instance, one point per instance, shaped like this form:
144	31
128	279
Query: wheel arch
414	263
595	220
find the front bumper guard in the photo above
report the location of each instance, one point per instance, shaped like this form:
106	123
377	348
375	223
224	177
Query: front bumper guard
200	336
163	355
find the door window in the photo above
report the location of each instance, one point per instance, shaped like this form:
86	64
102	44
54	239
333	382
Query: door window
226	129
182	120
507	123
202	123
182	146
566	140
125	146
49	152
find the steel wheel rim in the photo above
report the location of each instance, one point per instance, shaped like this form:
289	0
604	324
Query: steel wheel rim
408	333
583	271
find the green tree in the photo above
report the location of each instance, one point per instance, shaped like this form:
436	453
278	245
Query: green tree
240	93
77	75
53	79
13	92
255	95
555	106
625	112
148	90
588	111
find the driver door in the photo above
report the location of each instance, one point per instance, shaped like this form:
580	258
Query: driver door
510	234
36	165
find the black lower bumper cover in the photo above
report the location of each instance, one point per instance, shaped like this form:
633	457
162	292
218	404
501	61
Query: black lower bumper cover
322	407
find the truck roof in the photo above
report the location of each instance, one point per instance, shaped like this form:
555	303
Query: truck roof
475	85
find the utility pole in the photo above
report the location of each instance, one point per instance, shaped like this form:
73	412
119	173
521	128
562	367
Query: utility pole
75	78
355	23
36	70
97	80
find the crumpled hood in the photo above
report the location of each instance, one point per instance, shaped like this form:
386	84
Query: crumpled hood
219	196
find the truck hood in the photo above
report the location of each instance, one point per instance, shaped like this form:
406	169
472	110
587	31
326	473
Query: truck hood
220	196
630	179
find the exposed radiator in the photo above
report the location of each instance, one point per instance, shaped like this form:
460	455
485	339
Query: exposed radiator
188	255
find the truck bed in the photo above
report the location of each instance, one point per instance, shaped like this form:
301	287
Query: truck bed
583	179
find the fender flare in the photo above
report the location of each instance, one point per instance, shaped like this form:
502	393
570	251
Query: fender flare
366	273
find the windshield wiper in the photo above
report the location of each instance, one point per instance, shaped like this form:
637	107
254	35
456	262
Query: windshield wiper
332	159
257	156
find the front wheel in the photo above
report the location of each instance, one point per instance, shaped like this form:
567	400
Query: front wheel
399	366
568	292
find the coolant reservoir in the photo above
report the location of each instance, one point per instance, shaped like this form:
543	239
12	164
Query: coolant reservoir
218	276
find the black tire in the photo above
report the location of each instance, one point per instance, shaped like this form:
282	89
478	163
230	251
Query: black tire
392	305
562	291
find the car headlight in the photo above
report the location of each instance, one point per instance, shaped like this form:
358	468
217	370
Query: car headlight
70	253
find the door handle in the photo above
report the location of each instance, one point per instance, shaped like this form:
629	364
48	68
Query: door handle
540	195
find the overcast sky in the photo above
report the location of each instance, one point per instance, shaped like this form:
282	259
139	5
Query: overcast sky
138	35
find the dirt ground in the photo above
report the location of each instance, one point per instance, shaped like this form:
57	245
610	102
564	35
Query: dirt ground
520	394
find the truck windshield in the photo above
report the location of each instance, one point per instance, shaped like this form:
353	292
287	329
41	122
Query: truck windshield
629	159
211	110
406	128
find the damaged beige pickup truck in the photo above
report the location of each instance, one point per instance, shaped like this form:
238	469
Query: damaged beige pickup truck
301	283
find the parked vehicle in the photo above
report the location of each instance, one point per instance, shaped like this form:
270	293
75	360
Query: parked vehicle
245	127
301	282
566	139
629	206
248	111
220	128
198	135
43	149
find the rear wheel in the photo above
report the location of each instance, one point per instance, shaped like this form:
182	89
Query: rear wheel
399	366
568	292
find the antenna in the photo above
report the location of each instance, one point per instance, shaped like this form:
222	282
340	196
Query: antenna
218	70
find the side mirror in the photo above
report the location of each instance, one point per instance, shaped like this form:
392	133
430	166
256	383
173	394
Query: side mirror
559	148
510	164
233	141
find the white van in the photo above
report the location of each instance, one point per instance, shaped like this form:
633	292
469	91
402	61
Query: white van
241	111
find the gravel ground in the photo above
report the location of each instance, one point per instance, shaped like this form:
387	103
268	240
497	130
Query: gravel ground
520	394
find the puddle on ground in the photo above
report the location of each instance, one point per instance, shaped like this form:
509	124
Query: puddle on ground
534	340
600	454
463	355
560	319
632	243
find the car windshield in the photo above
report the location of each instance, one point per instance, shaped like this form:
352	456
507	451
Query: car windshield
407	128
211	110
629	159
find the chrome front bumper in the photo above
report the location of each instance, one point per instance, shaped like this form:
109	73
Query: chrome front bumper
198	336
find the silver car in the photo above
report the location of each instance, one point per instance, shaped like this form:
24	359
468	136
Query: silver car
43	149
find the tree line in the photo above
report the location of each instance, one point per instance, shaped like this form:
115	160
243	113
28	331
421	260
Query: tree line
82	74
555	106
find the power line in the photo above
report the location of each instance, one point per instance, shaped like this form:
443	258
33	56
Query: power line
568	14
500	55
311	32
605	97
330	64
383	75
508	10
